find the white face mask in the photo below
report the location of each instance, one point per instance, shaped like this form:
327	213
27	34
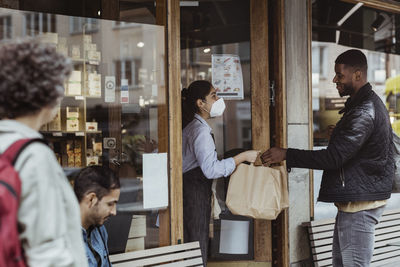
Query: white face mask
217	108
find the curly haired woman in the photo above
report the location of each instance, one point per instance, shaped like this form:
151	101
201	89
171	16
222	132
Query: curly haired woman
31	88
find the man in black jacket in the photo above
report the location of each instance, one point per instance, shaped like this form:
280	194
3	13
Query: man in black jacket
358	163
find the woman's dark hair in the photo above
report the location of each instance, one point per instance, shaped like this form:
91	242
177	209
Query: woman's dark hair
196	90
97	179
32	77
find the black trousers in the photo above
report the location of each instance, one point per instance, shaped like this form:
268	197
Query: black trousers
197	209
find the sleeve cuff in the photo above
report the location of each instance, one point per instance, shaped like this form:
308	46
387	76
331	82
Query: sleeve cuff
230	166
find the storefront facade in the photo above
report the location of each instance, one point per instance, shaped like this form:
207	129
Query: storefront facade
132	58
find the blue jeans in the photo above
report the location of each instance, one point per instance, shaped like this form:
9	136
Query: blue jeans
353	237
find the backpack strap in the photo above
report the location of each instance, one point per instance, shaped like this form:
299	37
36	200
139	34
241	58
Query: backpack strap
13	151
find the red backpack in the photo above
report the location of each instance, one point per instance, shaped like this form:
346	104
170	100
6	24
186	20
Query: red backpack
11	254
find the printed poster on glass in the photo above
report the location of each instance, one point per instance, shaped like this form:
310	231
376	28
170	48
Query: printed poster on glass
227	77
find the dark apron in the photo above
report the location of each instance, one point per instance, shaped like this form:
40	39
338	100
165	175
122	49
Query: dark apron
197	209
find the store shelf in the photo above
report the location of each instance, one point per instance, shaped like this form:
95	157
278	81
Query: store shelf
86	61
65	133
82	97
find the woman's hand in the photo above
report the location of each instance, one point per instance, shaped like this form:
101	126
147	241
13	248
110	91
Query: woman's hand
249	155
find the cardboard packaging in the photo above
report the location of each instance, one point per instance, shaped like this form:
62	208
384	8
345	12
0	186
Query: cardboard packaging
72	125
78	160
72	119
73	112
87	40
91	126
93	55
55	124
75	83
75	52
94	84
43	128
92	160
97	149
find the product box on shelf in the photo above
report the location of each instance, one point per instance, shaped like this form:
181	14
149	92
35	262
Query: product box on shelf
75	83
43	128
97	149
73	112
76	52
78	160
72	119
87	40
92	47
91	126
93	55
92	160
94	84
72	125
55	124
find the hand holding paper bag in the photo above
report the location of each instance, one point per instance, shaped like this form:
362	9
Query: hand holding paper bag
258	192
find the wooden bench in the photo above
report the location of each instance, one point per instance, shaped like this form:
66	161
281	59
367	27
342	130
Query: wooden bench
387	234
188	254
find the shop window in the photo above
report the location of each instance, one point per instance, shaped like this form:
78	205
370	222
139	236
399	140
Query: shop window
39	23
109	115
372	31
5	28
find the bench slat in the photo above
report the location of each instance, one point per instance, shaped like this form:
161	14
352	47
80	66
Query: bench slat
332	221
387	231
377	258
154	251
317	250
378	231
160	259
330	227
326	241
326	255
185	263
385	262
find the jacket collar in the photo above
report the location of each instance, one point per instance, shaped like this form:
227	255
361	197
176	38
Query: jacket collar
360	96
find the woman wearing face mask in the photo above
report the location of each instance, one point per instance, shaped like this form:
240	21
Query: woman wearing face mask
200	163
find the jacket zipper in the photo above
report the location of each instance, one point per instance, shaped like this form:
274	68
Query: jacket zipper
342	176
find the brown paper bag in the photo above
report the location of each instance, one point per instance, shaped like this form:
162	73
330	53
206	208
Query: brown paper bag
257	191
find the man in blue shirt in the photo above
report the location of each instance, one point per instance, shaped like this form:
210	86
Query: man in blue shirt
97	189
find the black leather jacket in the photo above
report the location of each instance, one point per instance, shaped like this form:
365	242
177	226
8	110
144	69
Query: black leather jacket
358	162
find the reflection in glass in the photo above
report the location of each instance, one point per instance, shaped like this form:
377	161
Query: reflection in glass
109	115
379	44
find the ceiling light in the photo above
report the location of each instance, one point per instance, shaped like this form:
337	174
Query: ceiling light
140	44
206	50
377	22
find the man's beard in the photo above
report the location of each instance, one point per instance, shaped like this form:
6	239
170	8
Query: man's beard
347	90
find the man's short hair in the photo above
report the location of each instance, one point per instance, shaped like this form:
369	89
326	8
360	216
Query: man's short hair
32	77
353	58
95	179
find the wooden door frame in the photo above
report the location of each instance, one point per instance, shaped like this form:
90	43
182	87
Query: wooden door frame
260	121
280	226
